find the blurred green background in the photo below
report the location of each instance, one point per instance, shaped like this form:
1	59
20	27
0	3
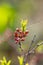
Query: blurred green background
11	14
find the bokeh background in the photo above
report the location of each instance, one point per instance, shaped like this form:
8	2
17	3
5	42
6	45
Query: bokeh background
11	14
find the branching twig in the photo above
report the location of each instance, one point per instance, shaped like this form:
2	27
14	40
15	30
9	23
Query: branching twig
32	50
32	42
35	47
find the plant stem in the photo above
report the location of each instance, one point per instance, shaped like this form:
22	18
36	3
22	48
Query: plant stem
20	46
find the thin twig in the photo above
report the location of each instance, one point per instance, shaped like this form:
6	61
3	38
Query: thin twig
35	47
32	42
20	46
31	51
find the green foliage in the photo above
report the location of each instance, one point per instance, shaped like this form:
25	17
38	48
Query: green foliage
23	25
21	60
4	61
7	16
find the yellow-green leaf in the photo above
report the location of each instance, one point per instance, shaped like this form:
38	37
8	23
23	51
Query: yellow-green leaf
21	60
9	62
27	64
23	25
4	60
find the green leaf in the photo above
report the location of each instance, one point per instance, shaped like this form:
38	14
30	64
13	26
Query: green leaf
23	25
4	60
9	62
